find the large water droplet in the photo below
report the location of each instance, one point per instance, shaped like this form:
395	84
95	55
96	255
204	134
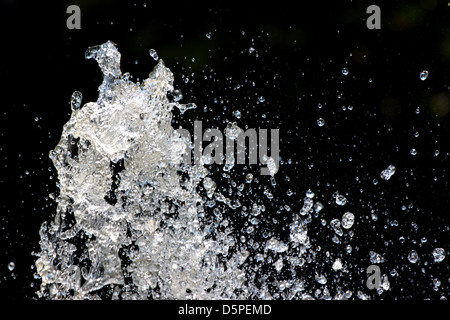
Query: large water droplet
388	173
75	100
438	254
347	220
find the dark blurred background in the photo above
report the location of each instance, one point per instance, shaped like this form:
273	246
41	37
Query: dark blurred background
299	53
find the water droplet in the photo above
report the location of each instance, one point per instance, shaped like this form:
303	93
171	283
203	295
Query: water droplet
75	100
177	95
375	257
271	165
232	130
436	283
413	256
438	254
388	173
321	279
249	178
310	194
11	266
424	75
345	71
320	122
153	54
208	35
341	200
348	248
413	152
318	207
251	50
261	99
337	265
278	265
347	220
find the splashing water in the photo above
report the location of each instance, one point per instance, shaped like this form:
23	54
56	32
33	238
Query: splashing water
130	220
145	210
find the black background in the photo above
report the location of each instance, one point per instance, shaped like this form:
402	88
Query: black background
302	50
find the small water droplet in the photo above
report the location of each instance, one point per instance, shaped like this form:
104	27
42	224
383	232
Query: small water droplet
320	122
153	54
345	71
11	266
321	279
337	265
318	206
251	50
413	152
341	200
424	75
413	256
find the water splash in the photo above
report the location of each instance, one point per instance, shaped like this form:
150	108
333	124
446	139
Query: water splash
125	216
132	221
